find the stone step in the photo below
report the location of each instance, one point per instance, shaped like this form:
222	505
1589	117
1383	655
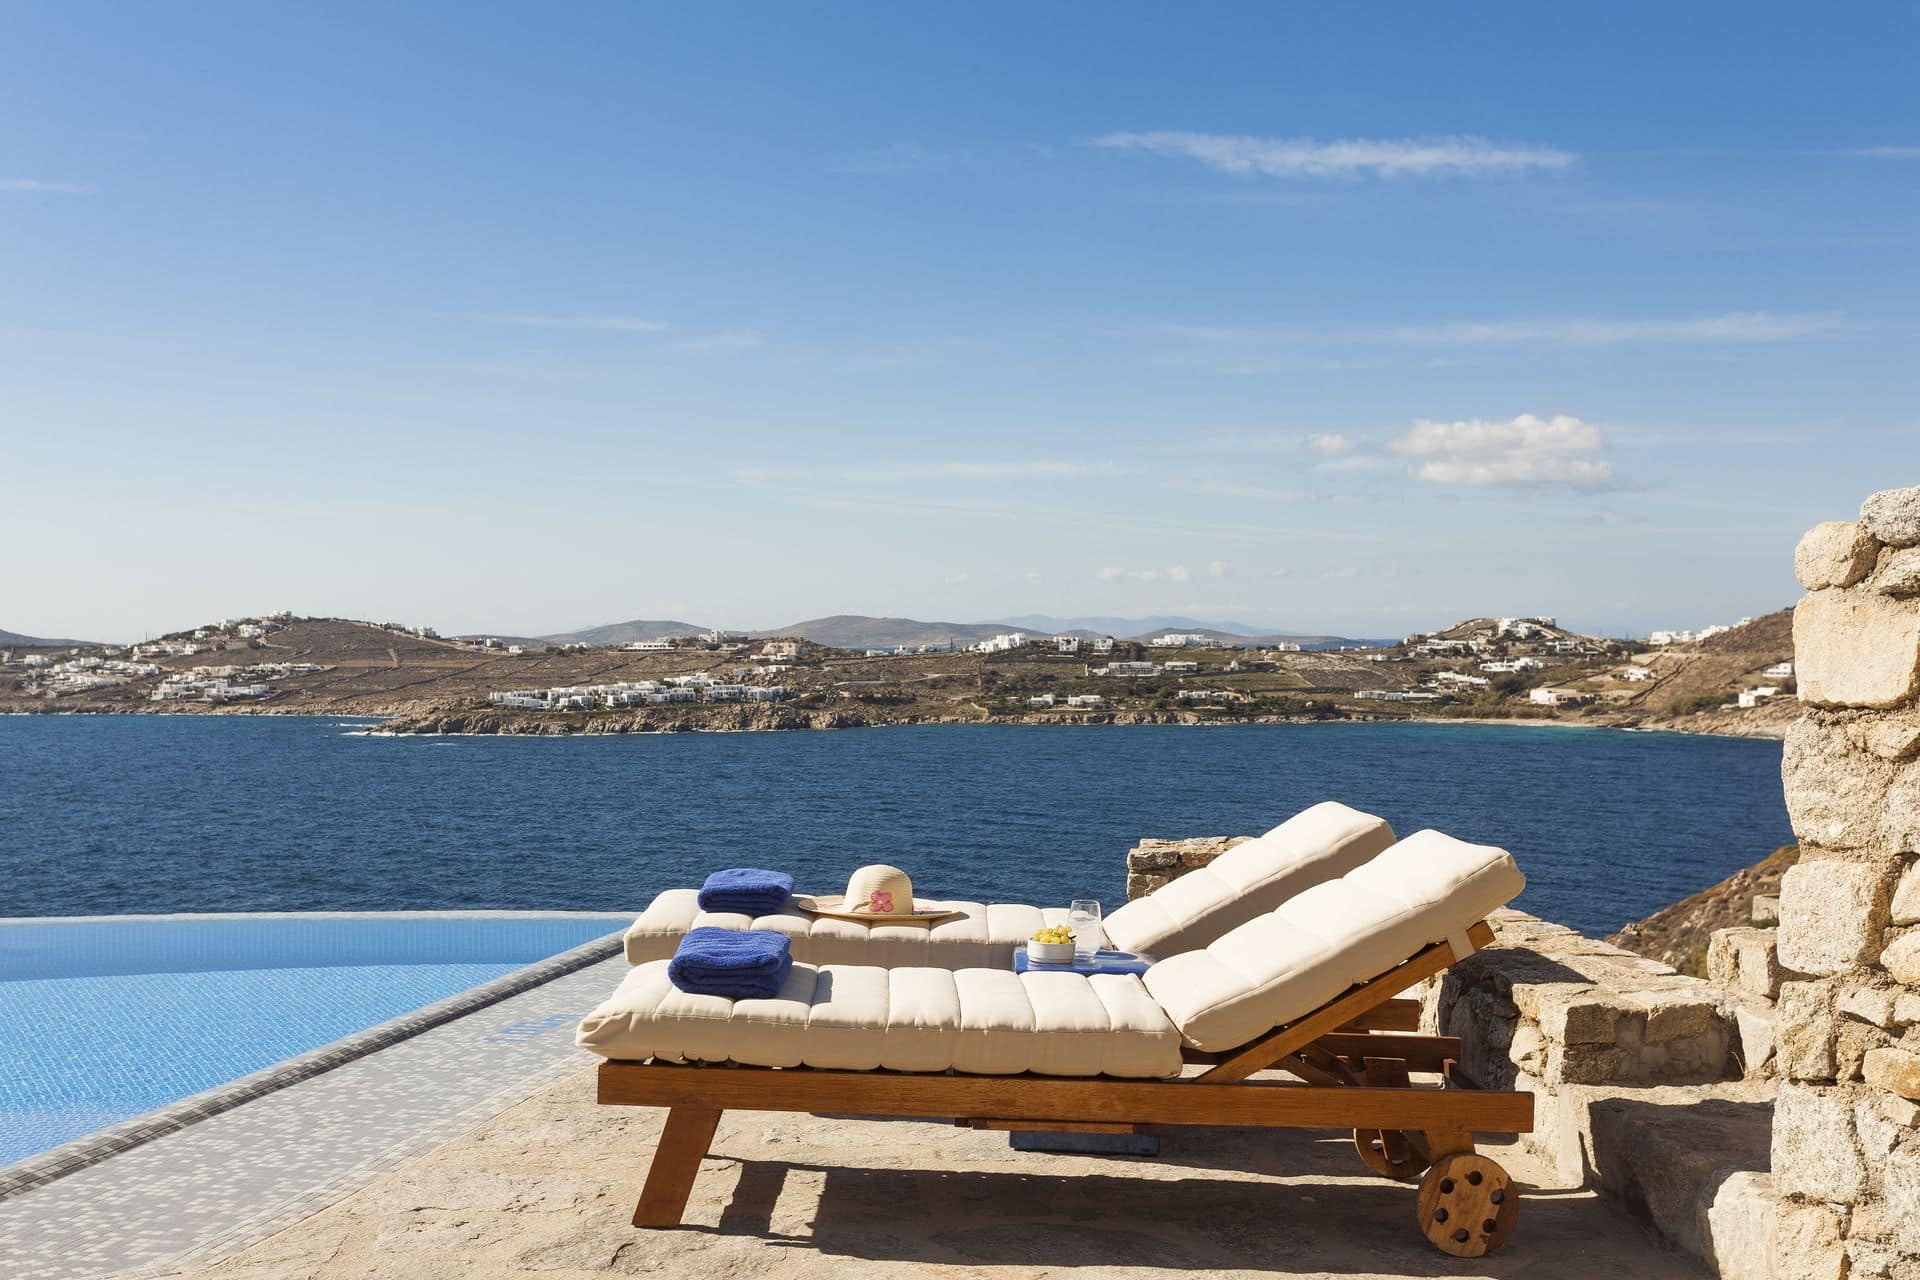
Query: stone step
1695	1167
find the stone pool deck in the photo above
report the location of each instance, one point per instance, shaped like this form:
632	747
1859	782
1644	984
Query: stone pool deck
545	1188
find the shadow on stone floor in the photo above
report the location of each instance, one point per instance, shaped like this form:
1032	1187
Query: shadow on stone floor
1110	1220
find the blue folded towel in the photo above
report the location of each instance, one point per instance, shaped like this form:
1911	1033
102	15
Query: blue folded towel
747	890
741	964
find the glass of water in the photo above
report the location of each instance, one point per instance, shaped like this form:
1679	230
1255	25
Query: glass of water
1083	917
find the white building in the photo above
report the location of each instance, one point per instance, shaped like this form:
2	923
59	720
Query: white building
1550	697
1001	643
1067	644
1779	671
1101	644
1042	700
1086	701
1180	668
1128	669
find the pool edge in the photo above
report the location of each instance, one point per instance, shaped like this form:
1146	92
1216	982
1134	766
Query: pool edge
84	1152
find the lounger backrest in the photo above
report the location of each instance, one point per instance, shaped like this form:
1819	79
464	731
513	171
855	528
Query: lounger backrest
1274	970
1249	880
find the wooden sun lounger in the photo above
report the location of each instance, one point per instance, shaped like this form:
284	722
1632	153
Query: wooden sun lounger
1354	1055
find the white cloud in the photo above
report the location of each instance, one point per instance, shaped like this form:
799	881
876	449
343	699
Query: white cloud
608	324
732	340
910	472
1728	328
1172	573
1217	569
44	186
1329	444
1454	156
1526	453
1733	327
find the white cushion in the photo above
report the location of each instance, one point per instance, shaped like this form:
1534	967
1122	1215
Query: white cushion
1270	971
864	1017
979	936
1249	880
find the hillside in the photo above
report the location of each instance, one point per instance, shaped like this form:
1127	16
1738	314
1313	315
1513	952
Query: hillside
854	631
1691	683
1678	935
12	638
1485	668
627	632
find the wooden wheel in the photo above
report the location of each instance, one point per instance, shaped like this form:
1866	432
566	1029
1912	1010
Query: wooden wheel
1467	1205
1391	1153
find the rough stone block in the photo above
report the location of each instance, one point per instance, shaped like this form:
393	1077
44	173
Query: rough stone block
1140	884
1746	960
1872	1004
1906	897
1852	1042
1856	649
1580	1017
1900	1197
1832	912
1836	553
1889	735
1756	1022
1902	958
1815	1152
1806	1031
1766	908
1742	1224
1898	572
1906	1008
1835	795
1893	516
1896	1070
1809	1242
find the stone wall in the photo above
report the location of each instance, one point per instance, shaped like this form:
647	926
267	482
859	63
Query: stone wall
1152	863
1846	1151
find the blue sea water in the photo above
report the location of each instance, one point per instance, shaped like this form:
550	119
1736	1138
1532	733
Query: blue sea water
183	813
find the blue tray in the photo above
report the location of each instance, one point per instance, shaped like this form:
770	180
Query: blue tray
1102	962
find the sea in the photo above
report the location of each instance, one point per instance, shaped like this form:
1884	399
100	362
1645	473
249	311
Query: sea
118	814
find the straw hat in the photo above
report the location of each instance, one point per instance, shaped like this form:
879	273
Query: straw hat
878	894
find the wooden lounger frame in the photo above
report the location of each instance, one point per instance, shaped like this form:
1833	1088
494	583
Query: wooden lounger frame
1354	1053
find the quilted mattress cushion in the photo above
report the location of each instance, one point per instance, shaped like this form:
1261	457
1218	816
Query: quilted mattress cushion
1271	971
865	1017
1248	880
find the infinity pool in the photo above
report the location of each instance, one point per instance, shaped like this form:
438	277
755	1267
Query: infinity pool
103	1018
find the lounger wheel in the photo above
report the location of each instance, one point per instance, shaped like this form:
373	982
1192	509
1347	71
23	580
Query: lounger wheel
1391	1153
1467	1205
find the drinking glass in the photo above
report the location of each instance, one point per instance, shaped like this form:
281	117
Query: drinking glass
1083	917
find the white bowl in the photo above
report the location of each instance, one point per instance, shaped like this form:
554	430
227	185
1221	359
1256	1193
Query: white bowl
1050	952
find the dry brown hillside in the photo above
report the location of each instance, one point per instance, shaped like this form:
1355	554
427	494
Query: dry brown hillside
1678	935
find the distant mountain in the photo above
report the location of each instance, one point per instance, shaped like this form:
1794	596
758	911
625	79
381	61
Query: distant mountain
31	642
627	632
853	631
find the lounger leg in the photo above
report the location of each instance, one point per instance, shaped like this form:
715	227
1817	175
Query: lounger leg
676	1163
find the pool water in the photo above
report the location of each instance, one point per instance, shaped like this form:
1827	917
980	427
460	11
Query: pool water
108	1019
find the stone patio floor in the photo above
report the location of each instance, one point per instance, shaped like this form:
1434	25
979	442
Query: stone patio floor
545	1189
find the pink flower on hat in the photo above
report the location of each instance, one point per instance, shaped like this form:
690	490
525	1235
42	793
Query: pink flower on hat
880	902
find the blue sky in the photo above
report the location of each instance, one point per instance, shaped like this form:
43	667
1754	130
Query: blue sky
1331	318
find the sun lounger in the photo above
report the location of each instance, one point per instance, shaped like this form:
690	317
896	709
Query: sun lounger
1314	846
1300	989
